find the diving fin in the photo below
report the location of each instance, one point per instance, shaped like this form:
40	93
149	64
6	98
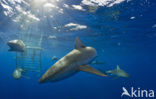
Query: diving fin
25	77
89	69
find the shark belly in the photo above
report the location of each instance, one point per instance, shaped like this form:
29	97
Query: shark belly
62	75
65	67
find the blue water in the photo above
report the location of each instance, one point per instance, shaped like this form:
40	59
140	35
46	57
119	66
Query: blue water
118	39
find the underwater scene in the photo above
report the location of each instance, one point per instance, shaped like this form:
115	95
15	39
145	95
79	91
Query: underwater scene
77	49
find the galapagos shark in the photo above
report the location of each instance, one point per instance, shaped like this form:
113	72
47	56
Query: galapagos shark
75	61
16	45
118	72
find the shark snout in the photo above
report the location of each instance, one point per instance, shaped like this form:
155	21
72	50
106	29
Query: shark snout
9	43
91	51
41	80
44	78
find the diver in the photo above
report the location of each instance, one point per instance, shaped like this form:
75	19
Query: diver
18	73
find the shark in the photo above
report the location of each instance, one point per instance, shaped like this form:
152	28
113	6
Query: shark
75	61
16	45
118	72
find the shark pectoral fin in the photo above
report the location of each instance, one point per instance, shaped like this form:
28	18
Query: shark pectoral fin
78	43
89	69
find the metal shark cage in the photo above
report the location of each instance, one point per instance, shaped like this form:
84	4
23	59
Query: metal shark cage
31	59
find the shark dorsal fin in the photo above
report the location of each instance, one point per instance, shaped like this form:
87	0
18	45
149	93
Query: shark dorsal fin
89	69
118	68
18	41
78	43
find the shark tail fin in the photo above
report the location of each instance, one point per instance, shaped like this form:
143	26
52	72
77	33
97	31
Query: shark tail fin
78	43
89	69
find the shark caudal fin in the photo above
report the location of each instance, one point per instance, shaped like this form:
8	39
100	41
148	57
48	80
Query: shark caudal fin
89	69
78	43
